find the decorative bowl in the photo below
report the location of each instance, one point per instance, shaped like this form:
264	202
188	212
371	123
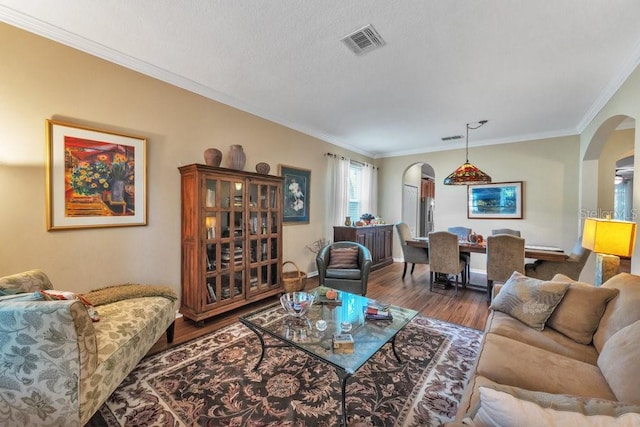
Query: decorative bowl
297	304
263	168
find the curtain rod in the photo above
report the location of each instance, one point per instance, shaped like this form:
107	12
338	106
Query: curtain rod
351	160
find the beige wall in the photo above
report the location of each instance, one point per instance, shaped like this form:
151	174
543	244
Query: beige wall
548	169
40	79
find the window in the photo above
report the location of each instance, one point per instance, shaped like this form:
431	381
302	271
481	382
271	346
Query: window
623	199
355	191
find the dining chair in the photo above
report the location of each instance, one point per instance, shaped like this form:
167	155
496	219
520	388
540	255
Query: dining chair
505	254
411	254
463	234
572	266
444	256
506	231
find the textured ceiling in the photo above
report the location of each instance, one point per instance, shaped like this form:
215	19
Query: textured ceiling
534	69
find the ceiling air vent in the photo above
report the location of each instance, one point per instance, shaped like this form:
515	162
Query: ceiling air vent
363	40
450	138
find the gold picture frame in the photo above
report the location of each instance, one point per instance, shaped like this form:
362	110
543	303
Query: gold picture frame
95	178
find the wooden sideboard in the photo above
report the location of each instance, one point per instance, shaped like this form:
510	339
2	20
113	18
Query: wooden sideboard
377	238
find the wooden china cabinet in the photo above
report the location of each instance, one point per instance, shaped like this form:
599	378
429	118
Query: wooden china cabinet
231	239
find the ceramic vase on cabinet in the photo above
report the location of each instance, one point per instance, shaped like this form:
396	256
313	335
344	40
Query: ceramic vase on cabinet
212	157
236	157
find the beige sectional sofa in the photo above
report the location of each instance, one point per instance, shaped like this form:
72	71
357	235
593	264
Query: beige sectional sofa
57	367
586	360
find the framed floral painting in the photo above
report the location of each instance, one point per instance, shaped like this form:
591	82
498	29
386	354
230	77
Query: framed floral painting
95	178
296	198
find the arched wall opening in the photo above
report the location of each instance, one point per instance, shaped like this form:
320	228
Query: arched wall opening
418	198
605	159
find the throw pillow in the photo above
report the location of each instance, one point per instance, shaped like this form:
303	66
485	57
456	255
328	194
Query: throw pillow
562	402
619	362
343	258
24	296
578	314
501	409
52	294
529	300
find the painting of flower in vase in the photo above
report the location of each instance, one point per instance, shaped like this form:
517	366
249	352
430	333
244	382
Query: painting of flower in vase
96	178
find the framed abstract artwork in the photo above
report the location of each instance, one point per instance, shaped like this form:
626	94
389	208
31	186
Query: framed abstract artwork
501	200
296	198
95	178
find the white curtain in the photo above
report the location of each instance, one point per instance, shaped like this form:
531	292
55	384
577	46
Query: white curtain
369	191
338	197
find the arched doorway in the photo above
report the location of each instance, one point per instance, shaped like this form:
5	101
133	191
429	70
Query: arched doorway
607	175
611	144
418	198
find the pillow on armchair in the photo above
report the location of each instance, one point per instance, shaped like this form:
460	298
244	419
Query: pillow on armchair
343	258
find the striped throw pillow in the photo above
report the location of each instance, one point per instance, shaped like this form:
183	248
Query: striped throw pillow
343	258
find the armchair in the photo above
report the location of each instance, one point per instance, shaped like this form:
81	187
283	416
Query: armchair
349	270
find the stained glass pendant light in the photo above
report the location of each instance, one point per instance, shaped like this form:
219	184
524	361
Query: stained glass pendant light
468	173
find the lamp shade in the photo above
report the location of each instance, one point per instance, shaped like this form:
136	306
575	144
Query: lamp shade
609	237
467	174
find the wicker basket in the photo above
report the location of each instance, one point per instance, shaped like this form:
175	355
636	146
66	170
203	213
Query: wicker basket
293	281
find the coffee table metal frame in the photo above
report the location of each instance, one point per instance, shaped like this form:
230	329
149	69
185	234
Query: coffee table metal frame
369	335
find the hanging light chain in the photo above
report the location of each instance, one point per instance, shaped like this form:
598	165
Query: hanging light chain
480	124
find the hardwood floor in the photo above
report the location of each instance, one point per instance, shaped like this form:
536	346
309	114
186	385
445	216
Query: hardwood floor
469	308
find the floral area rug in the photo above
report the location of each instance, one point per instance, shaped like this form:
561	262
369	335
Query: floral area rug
210	382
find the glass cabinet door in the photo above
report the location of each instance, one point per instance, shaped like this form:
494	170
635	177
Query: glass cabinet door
224	230
264	240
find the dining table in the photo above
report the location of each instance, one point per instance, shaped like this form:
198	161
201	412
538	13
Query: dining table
542	252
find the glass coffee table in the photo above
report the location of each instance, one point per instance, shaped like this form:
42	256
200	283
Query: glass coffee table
344	315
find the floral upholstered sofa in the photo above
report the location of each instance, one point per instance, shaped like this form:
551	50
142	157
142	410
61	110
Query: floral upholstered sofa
57	366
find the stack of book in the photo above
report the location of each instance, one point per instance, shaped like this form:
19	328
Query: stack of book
228	260
253	283
377	311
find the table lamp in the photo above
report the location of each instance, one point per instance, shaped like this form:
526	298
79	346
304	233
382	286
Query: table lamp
609	240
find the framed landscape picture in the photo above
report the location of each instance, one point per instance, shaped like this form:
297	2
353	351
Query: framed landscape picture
498	200
296	198
95	178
